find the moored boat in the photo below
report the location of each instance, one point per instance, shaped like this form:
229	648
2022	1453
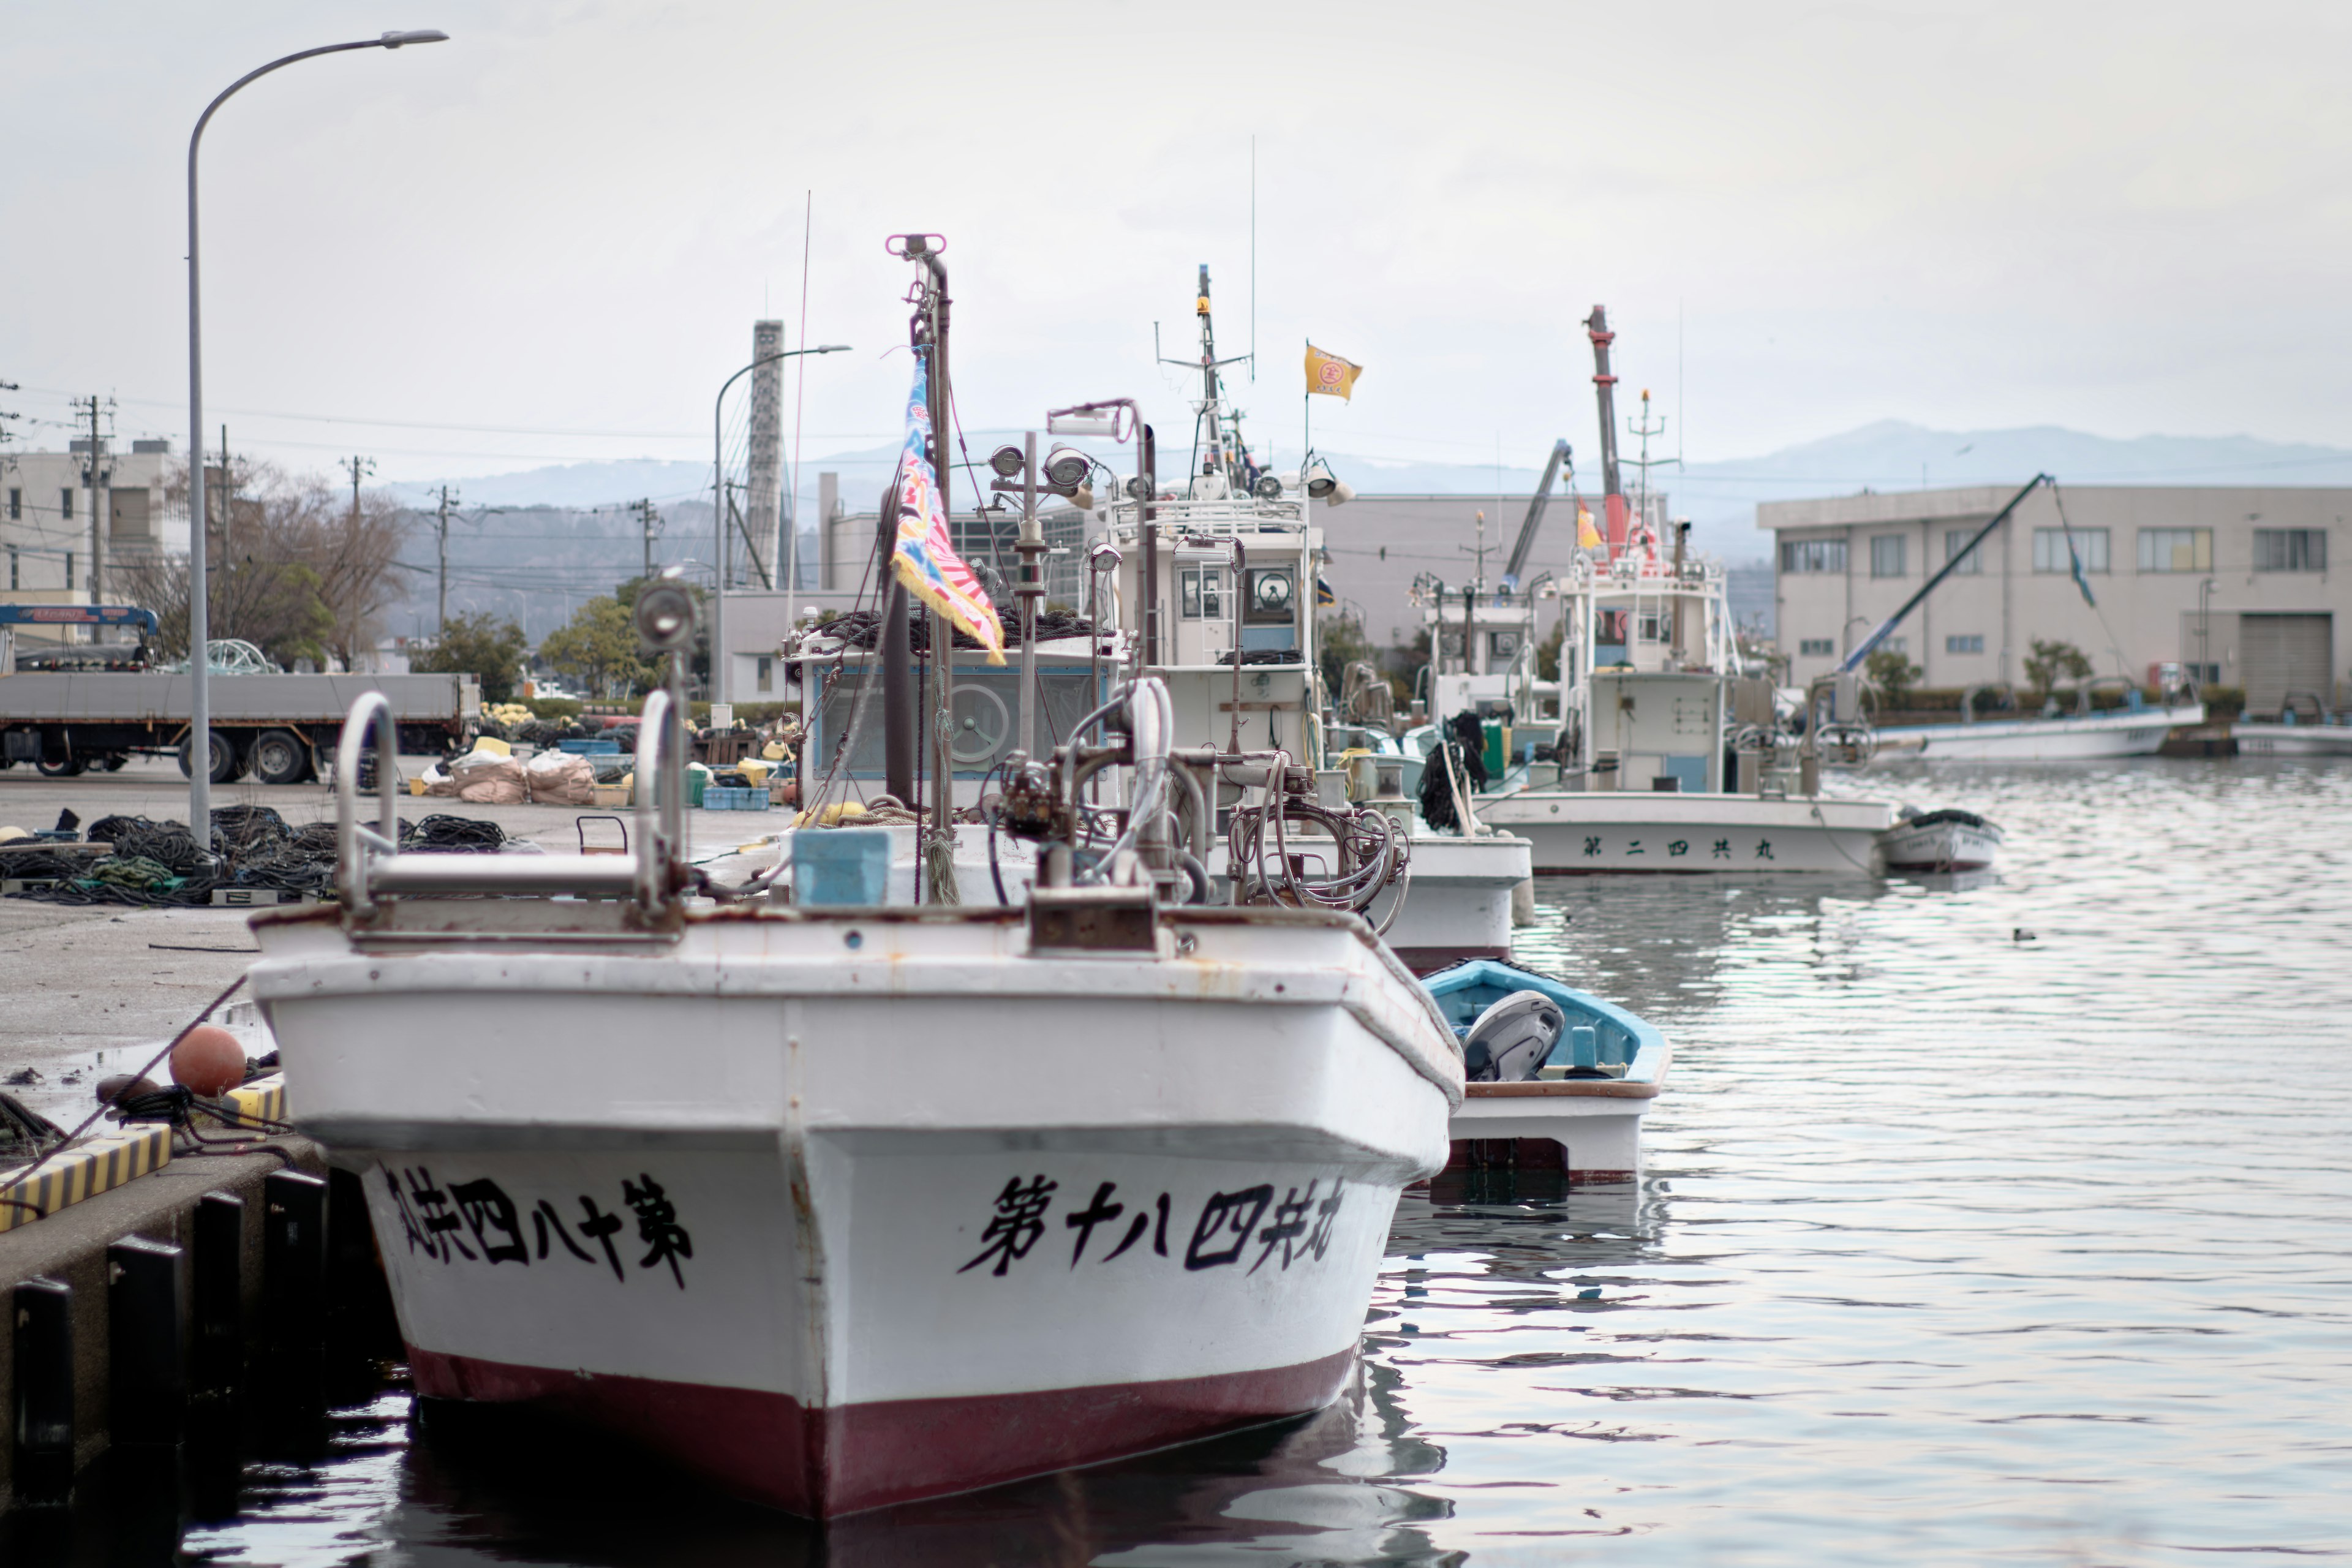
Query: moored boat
2067	738
1559	1081
1945	840
843	1206
2329	738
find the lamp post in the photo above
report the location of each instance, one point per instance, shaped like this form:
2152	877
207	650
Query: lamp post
722	663
200	727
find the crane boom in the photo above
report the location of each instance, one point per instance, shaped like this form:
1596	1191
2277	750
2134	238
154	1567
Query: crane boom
1853	661
1560	455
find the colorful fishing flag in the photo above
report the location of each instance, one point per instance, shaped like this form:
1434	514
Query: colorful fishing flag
1586	536
924	557
1332	376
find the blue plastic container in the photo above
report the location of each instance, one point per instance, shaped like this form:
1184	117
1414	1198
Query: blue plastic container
591	748
841	866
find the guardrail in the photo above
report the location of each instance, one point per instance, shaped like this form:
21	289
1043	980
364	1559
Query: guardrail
370	863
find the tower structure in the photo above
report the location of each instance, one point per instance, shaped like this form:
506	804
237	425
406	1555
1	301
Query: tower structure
763	489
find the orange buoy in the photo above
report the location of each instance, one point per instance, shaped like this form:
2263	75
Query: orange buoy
209	1062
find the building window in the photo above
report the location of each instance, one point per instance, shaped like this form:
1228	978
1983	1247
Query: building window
1887	555
1816	647
2176	549
2090	543
2290	550
15	506
64	504
1971	642
69	566
1813	555
1956	548
766	673
13	583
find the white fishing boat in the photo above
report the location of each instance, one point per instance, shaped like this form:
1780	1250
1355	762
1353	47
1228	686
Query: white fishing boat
2131	731
1945	840
843	1203
2331	736
842	1206
1560	1080
1655	752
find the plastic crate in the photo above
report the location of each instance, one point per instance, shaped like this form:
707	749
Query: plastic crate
729	797
599	748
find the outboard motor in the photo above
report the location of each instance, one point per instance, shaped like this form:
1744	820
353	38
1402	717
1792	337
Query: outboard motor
1510	1041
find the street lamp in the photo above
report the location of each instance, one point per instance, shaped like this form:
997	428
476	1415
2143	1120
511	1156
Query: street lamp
200	725
722	663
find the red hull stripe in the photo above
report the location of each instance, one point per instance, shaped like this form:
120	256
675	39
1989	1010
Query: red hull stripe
768	1449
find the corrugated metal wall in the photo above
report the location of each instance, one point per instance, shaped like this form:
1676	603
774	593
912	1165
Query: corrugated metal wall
2281	654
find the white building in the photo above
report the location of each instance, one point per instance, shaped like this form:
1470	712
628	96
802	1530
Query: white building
58	509
2235	583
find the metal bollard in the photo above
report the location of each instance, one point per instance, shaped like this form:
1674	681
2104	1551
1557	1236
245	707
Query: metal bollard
219	1298
146	1334
43	1420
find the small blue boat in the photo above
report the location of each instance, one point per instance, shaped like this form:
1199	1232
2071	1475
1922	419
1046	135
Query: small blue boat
1574	1103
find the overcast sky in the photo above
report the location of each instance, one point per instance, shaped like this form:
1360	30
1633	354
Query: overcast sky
547	239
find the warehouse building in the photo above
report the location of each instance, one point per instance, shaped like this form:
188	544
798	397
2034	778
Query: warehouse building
2233	584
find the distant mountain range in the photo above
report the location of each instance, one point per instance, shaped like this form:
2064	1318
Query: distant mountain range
537	566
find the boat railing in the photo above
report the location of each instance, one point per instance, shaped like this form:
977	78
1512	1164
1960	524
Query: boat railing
371	864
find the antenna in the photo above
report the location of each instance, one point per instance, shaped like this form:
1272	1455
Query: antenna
1252	258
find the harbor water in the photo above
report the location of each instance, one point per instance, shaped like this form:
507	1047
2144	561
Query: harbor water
2006	1221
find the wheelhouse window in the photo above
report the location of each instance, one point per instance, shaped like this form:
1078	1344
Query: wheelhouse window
1201	592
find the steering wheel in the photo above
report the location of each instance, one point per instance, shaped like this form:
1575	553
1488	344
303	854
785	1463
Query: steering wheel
983	724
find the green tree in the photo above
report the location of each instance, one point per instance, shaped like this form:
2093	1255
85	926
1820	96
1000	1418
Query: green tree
598	648
1894	674
482	645
2052	662
1548	650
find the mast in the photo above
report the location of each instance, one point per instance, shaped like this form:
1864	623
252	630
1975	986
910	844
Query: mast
1596	327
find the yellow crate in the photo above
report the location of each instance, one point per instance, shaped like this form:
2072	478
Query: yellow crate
98	1163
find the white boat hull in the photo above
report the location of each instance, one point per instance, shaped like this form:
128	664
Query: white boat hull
1457	904
1595	1126
2293	740
1940	847
850	1208
2087	738
1707	835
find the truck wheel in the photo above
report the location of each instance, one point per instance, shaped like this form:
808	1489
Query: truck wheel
70	768
279	757
224	757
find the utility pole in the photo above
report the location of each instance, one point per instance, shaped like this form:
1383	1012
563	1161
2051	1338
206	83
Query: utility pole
95	478
361	467
649	524
441	608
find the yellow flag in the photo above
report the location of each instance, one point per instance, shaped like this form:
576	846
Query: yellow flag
1332	376
1587	535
